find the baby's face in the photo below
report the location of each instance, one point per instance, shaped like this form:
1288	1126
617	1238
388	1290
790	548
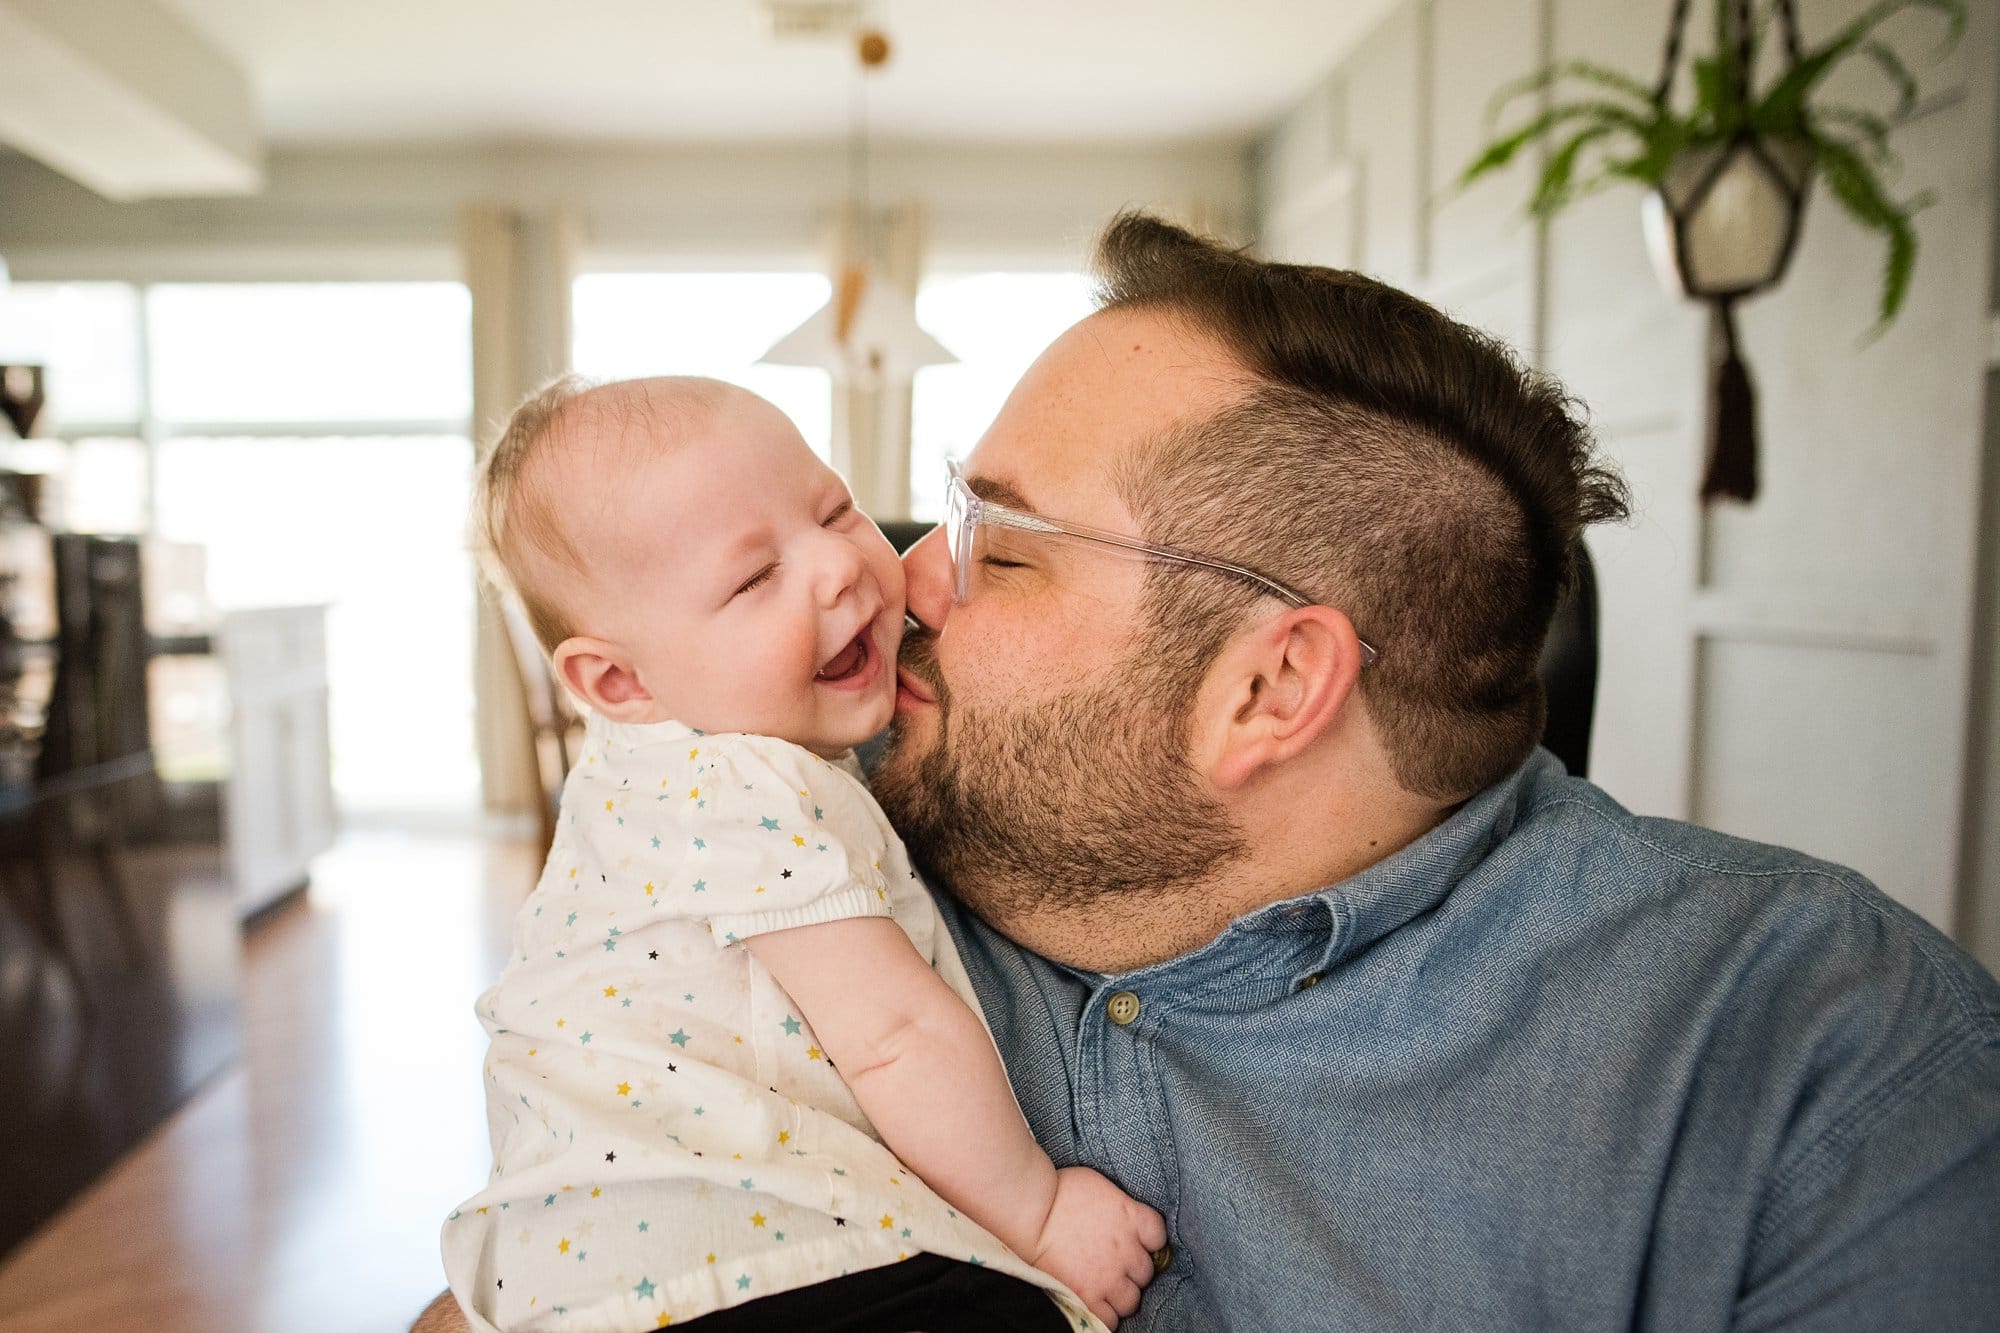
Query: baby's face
749	590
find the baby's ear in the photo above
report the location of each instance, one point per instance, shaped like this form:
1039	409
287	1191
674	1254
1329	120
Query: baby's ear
601	674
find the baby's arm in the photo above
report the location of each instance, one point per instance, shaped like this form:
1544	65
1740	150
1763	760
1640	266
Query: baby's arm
923	1069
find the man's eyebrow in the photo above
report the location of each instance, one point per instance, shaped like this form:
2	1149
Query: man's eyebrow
999	492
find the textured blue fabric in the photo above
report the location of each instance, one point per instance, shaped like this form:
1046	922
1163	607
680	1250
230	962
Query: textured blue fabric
1560	1068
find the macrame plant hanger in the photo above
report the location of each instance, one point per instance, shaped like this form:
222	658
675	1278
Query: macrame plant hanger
1731	468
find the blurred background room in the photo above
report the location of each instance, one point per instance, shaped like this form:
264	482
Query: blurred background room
273	774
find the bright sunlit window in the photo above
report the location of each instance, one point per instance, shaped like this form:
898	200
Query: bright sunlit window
996	324
311	438
716	324
352	491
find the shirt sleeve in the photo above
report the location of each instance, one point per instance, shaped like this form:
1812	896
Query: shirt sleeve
1894	1222
797	841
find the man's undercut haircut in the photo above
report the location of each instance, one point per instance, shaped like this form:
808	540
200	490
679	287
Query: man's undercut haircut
1398	465
517	532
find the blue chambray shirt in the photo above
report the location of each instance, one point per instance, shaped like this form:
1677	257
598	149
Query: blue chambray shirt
1552	1067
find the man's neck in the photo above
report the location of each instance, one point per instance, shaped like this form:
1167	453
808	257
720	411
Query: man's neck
1122	932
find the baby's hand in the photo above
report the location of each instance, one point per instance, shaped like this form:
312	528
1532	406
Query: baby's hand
1099	1242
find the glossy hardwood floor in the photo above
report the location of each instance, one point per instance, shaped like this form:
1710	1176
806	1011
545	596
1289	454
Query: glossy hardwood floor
301	1192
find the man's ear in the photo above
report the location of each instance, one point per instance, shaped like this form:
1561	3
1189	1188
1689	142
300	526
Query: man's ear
601	674
1275	690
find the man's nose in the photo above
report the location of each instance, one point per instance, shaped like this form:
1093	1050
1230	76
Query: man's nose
927	579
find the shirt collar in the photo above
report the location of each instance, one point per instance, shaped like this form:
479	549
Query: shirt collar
1307	935
1399	888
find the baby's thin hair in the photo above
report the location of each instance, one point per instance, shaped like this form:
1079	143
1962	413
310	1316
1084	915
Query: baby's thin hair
509	517
517	531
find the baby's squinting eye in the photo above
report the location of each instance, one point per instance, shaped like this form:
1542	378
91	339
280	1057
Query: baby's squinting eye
762	576
845	508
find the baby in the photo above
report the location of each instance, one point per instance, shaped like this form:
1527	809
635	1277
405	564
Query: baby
726	920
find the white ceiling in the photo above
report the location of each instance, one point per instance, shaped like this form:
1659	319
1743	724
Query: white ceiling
704	70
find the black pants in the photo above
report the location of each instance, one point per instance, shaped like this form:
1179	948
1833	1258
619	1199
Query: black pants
927	1294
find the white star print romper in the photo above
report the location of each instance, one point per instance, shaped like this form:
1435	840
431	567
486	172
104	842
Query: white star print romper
668	1137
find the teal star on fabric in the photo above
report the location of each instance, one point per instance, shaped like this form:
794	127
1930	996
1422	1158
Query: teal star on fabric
549	1202
818	813
743	1282
656	844
689	997
701	886
768	823
642	1226
747	1183
699	844
906	1233
731	937
791	1026
678	1037
645	1289
625	1003
700	1111
584	1039
777	1235
570	920
581	1255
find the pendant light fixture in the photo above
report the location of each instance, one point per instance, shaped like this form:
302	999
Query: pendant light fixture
867	334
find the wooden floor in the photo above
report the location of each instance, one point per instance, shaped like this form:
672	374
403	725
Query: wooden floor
302	1191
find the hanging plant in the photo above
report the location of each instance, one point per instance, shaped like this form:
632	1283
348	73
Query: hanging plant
1728	177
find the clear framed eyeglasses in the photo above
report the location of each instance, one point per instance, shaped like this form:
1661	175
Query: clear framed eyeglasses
966	515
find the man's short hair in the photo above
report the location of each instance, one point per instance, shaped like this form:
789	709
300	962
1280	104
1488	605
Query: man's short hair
1398	465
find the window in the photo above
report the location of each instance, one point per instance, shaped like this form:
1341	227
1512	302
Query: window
996	324
312	439
716	324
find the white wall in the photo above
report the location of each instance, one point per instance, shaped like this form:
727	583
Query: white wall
1799	671
383	211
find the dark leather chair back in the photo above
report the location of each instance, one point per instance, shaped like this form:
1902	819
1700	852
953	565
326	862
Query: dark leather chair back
1569	658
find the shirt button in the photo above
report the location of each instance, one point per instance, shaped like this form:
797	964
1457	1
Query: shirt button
1123	1007
1162	1259
1309	982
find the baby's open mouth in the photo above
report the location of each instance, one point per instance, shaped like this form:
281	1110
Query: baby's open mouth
850	660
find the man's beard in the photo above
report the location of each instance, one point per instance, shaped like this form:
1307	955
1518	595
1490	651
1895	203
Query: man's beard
1059	803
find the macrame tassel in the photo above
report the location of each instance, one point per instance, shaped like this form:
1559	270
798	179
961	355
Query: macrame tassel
1732	415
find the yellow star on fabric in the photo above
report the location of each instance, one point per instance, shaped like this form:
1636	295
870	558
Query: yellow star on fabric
711	1258
572	872
797	841
563	1248
812	1053
887	1221
610	992
756	1219
784	1136
596	1190
693	792
562	1022
482	1212
624	1089
694	754
760	888
664	1320
607	805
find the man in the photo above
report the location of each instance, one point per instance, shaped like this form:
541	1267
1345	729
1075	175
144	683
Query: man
1282	922
1221	726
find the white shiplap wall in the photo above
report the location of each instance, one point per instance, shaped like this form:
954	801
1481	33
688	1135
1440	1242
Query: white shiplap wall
1799	671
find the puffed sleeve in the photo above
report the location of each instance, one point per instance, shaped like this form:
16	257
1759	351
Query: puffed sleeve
797	841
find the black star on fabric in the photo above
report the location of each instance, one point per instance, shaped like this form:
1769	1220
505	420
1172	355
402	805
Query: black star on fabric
840	1221
673	1068
784	874
611	1157
501	1283
654	954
